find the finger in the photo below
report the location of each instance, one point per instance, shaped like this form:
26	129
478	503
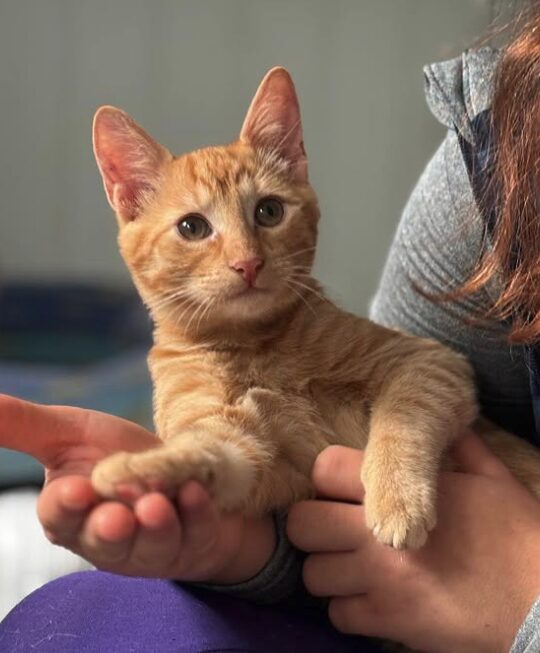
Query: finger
336	474
199	516
355	615
334	574
108	533
159	536
326	526
44	431
472	456
63	506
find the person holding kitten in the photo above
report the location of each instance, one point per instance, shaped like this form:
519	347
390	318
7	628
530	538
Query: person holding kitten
474	584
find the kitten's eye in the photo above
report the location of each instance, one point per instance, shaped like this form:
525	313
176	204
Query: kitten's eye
194	227
269	212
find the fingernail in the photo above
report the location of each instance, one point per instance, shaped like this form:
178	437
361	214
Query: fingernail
129	491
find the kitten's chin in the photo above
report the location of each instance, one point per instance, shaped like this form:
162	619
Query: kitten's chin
252	304
249	293
246	303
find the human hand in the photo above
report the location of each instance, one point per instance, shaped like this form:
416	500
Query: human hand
467	590
152	537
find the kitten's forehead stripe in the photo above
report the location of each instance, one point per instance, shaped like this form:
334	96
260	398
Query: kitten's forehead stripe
222	183
221	172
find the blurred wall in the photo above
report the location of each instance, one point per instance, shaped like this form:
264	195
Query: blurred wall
186	70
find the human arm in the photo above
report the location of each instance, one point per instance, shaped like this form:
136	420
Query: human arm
468	590
437	245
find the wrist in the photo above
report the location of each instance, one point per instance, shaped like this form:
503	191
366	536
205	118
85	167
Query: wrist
253	550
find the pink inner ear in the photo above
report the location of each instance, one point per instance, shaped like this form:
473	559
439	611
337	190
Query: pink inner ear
273	120
129	199
129	161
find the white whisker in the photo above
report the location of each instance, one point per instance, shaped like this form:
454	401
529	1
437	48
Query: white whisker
306	287
282	259
169	298
209	304
194	315
300	296
179	319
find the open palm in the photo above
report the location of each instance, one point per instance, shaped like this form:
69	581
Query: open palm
152	537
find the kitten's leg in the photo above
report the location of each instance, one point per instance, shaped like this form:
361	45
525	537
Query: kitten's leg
422	409
400	489
224	459
235	452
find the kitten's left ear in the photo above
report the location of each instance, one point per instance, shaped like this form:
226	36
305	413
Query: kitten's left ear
273	121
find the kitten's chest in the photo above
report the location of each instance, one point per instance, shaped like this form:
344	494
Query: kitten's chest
344	408
265	370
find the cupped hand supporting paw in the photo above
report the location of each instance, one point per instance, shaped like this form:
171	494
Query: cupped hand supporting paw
468	589
190	540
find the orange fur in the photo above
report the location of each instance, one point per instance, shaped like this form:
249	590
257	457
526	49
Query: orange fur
252	383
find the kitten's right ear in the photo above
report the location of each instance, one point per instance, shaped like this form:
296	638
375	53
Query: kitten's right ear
129	160
273	121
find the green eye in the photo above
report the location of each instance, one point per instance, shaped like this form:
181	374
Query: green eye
269	212
194	227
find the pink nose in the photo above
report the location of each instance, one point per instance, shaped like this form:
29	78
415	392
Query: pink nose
248	269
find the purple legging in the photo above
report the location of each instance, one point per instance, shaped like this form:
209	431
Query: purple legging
97	612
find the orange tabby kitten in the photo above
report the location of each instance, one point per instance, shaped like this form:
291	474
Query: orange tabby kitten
255	370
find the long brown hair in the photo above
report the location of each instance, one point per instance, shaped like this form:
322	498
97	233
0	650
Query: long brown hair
514	255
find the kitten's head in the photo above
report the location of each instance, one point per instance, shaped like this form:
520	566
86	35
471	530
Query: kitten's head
222	235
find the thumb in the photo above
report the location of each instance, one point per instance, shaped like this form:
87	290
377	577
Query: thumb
471	455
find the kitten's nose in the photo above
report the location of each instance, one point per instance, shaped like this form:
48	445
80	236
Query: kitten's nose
248	269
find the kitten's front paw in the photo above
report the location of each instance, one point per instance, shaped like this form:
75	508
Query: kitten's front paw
399	516
127	476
